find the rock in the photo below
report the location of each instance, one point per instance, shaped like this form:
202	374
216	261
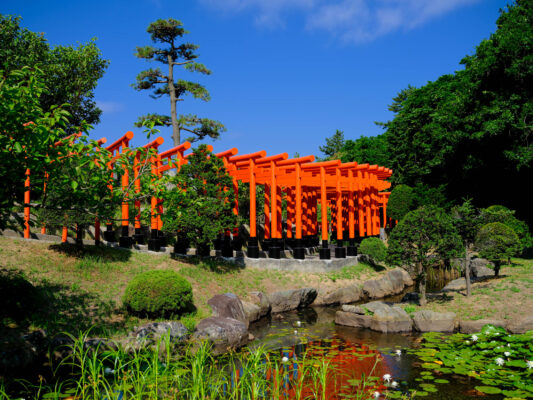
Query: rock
352	319
430	321
481	271
287	300
522	325
261	300
475	326
365	309
400	279
344	295
153	331
224	333
378	288
228	305
391	319
251	311
455	285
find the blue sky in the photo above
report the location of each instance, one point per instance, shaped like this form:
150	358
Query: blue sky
286	73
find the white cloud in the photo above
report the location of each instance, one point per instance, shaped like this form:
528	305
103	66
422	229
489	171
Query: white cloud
354	21
110	106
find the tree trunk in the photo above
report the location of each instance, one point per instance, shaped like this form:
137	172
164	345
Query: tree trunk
497	268
173	112
468	258
422	286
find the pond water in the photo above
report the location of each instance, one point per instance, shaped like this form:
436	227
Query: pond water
354	352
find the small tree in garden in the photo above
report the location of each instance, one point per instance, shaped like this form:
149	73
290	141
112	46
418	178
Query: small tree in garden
467	221
497	242
199	200
401	201
422	238
374	248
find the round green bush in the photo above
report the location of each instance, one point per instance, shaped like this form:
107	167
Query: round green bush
497	242
158	292
374	248
401	201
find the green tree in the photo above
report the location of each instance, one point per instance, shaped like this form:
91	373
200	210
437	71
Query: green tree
332	148
371	150
471	129
422	239
199	201
167	33
401	200
70	73
497	242
467	221
498	213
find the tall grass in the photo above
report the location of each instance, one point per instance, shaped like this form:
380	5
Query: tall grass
191	372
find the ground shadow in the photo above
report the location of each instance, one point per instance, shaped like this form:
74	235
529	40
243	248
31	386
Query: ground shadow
53	307
102	253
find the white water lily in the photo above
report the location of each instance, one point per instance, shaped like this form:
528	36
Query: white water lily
394	384
387	377
529	364
508	344
507	353
284	360
398	352
108	371
467	342
295	332
475	338
377	394
500	361
298	323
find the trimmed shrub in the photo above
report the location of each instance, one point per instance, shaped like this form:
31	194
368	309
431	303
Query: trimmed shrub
373	248
498	213
401	201
497	242
158	293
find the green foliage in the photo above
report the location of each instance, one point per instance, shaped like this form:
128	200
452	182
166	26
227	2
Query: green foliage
332	148
167	33
467	130
423	238
197	204
467	221
374	248
70	73
497	242
497	360
158	292
401	201
371	150
498	213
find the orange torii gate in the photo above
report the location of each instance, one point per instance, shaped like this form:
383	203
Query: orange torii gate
352	192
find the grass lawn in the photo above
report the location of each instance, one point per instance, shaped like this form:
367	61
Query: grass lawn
80	289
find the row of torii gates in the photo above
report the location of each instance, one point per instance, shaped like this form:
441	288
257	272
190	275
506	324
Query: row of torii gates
353	192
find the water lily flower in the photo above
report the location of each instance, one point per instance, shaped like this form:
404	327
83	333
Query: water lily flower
387	377
284	359
467	342
377	394
108	371
475	338
500	361
529	364
507	353
295	332
508	344
298	323
394	384
398	352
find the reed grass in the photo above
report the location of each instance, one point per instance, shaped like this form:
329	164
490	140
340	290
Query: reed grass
190	372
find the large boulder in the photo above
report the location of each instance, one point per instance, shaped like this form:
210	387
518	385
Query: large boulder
365	309
228	305
154	331
224	334
476	326
378	288
522	325
352	319
261	300
287	300
400	279
344	295
391	319
430	321
251	311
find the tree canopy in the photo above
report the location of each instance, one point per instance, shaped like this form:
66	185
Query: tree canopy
497	242
168	33
332	148
70	73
